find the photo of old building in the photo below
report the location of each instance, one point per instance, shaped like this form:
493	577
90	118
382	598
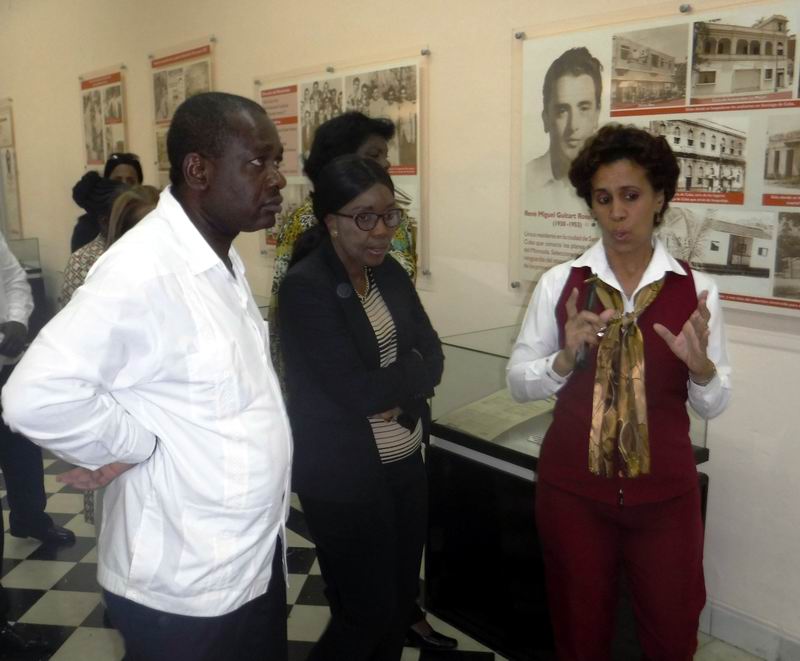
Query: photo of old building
725	243
649	67
787	257
742	60
738	249
712	156
782	163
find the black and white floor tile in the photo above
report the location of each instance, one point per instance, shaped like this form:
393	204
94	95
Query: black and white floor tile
54	593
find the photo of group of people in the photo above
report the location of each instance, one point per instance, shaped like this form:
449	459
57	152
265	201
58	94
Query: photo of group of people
103	116
390	93
737	141
320	100
298	106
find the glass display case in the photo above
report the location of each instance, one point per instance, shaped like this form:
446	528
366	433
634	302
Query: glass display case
473	401
483	567
27	253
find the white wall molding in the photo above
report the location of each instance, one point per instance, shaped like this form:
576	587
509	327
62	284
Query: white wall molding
764	338
747	633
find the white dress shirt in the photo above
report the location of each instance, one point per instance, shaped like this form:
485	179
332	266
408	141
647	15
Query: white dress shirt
530	374
16	301
546	193
161	359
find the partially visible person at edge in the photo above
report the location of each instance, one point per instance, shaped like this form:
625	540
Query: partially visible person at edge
361	359
120	167
129	207
350	133
156	381
96	195
21	460
625	334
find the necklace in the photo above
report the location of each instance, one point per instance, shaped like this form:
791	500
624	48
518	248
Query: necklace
363	297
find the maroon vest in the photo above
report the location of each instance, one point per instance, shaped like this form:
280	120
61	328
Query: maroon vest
564	459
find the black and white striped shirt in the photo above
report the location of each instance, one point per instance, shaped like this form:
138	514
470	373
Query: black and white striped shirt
394	441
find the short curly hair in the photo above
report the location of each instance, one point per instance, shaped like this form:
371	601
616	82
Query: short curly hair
615	142
343	135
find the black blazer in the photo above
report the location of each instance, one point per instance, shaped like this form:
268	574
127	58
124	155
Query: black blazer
333	374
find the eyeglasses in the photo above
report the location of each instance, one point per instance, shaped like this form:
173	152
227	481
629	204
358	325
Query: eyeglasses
367	220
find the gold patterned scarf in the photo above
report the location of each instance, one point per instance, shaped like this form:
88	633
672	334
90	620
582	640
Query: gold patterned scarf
619	404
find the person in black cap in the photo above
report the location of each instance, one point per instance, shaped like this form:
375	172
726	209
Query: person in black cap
96	195
89	193
125	168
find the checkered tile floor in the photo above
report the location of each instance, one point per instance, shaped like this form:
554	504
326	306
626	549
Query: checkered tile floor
54	592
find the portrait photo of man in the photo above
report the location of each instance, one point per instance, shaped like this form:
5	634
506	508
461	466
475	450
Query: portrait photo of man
571	95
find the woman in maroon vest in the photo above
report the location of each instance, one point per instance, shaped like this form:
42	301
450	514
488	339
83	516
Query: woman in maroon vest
624	335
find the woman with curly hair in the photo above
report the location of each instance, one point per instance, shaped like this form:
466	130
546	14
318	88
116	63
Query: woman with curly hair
625	334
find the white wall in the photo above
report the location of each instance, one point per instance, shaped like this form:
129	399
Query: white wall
753	539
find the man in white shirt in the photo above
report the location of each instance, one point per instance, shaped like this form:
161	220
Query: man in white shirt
20	459
156	381
571	96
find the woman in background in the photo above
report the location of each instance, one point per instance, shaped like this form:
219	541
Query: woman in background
617	482
96	195
121	168
118	208
124	167
350	133
360	360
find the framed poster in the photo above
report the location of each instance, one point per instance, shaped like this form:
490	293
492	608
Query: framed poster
103	113
299	103
177	74
10	218
722	88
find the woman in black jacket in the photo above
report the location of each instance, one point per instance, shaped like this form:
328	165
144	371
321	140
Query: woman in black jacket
361	359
